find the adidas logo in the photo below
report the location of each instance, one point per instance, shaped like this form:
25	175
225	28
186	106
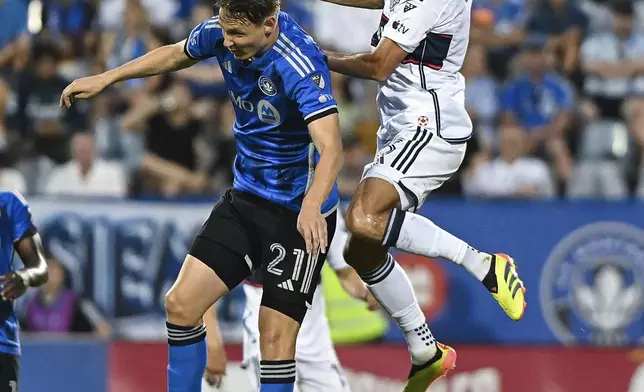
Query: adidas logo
228	66
286	285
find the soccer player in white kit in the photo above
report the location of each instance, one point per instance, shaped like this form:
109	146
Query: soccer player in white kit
318	368
418	51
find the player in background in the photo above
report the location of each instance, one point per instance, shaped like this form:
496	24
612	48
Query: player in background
419	49
17	234
280	214
318	367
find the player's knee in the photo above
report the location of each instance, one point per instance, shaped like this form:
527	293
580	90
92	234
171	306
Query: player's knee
277	343
178	311
359	220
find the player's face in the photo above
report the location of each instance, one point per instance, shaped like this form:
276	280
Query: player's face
244	39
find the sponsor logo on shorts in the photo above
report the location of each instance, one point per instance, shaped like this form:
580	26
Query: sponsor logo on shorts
592	286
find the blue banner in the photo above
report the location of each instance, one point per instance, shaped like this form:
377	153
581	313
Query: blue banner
582	263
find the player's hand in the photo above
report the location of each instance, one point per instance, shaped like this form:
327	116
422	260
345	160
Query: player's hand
14	284
312	226
216	365
352	284
83	88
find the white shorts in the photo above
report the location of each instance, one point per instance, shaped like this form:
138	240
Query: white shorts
416	160
318	368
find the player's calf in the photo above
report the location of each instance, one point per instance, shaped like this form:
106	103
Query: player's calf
196	289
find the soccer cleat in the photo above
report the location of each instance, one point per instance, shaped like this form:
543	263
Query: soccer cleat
506	287
422	376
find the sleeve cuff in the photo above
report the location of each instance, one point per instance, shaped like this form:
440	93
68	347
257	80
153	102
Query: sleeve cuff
320	114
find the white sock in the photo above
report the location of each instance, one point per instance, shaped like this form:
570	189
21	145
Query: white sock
416	234
391	287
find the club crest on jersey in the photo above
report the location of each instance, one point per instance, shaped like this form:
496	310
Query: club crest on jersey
318	79
592	286
423	121
267	86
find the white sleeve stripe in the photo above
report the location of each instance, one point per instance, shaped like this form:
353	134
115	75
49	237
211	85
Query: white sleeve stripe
320	111
294	55
288	41
278	50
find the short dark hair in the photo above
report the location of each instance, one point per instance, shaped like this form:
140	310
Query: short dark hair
253	11
622	8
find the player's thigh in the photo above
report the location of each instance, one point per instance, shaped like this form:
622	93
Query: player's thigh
9	372
216	263
321	376
415	162
290	274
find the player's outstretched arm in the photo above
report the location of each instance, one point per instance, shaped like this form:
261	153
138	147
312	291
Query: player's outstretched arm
376	65
368	4
165	59
325	133
216	365
34	274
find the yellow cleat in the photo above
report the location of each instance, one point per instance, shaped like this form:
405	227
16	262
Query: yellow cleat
422	376
509	291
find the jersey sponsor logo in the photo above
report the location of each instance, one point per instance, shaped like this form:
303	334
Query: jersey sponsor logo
592	285
399	27
240	103
318	79
267	86
268	113
409	7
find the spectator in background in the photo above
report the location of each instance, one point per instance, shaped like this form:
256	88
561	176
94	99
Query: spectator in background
498	25
564	23
511	175
542	103
41	119
170	130
13	30
56	309
129	41
10	178
87	175
481	97
614	64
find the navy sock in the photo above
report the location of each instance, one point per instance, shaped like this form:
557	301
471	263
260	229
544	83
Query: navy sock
277	376
187	354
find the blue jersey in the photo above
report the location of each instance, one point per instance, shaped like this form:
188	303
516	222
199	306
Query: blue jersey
15	224
275	97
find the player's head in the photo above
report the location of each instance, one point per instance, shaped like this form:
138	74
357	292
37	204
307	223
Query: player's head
248	25
623	17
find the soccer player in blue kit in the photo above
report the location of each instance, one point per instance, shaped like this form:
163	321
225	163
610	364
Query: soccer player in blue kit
280	214
17	234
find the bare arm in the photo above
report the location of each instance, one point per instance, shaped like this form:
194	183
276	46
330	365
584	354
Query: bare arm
325	133
34	274
376	65
216	365
368	4
32	254
165	59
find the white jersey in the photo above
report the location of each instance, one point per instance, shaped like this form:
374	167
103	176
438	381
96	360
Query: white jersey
435	33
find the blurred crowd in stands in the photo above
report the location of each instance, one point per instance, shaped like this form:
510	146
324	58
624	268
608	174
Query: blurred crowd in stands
555	89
